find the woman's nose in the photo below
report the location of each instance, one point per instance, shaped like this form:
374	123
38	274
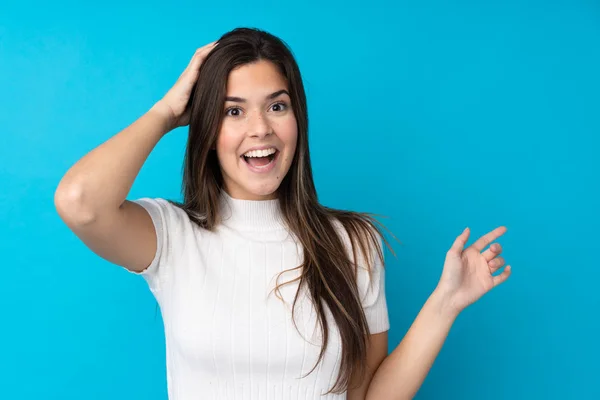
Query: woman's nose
259	125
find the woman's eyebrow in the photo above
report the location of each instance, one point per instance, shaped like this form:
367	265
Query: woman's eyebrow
269	97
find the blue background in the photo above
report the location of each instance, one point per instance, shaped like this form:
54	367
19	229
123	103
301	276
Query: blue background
439	115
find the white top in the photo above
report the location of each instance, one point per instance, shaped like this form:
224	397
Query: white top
227	336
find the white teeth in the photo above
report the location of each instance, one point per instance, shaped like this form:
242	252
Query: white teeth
260	153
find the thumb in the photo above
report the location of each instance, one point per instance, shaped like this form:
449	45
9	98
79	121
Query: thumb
461	241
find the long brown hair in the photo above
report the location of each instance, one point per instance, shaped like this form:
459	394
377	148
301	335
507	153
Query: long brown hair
327	270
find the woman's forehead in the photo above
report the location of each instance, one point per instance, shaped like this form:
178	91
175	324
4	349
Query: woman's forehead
255	80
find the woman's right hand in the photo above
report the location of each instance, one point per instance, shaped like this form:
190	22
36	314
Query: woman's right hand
174	105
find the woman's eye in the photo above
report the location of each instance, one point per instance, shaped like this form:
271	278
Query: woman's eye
279	106
234	112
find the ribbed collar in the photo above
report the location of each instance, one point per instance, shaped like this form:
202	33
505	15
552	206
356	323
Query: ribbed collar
254	215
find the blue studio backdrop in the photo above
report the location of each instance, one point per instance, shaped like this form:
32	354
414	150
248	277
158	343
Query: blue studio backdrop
437	114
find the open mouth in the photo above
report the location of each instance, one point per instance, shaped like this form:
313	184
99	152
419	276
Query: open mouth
261	162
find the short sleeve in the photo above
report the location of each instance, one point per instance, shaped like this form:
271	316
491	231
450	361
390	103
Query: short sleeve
371	287
372	292
168	220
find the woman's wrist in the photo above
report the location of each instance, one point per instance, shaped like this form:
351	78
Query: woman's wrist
164	112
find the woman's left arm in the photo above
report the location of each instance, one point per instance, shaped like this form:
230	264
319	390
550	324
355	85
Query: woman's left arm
467	275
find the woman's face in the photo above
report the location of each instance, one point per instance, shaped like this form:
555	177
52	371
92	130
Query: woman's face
259	116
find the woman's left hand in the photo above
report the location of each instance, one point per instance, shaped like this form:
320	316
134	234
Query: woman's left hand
468	273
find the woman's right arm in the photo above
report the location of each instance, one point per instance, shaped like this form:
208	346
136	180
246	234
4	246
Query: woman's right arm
91	197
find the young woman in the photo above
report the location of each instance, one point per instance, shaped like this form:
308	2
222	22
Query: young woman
249	217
